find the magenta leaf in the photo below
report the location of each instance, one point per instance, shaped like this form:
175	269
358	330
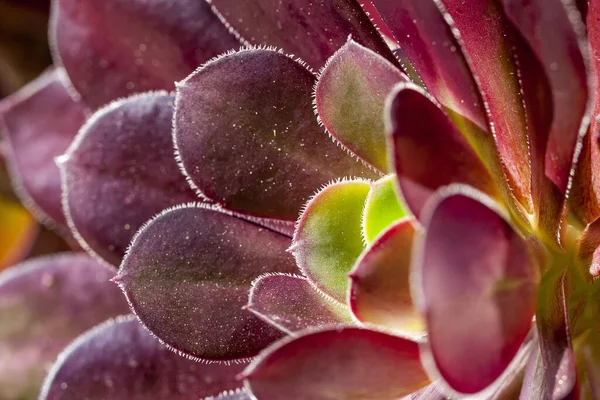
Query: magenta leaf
187	276
121	171
247	136
311	30
548	27
120	360
45	303
342	364
39	123
428	42
350	97
429	151
473	270
292	303
114	48
380	292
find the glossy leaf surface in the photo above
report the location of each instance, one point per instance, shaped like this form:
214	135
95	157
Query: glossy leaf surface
187	276
472	259
350	97
45	303
328	239
40	122
341	364
380	292
115	48
120	360
292	303
120	172
248	139
429	151
382	208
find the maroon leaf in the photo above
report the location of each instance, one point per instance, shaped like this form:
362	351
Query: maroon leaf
45	303
311	30
120	360
40	122
292	303
187	277
476	284
121	171
341	364
247	136
486	38
239	394
588	245
350	97
435	53
380	291
115	48
429	151
548	27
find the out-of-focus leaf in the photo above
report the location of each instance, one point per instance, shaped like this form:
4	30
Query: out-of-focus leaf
120	360
341	364
350	97
311	30
248	139
44	304
486	38
292	303
239	394
382	208
120	172
429	151
39	123
114	48
551	30
187	277
18	231
471	259
328	239
380	291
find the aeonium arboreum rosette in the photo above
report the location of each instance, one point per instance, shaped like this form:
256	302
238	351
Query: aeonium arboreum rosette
438	239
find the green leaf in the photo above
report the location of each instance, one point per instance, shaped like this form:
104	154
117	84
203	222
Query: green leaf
382	208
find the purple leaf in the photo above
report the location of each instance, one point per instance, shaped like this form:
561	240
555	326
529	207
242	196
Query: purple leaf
487	40
40	122
292	303
187	277
429	151
350	97
115	48
380	292
44	304
120	360
476	285
341	364
311	30
121	171
248	139
551	31
239	394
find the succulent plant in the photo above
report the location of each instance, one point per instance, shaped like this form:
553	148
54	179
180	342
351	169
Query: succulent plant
418	218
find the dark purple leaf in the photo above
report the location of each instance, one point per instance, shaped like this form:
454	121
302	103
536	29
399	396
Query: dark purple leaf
248	139
45	303
311	30
120	360
341	364
121	171
114	48
429	151
476	282
350	97
292	303
40	122
188	274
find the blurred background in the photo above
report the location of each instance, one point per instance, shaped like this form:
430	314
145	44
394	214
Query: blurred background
24	54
